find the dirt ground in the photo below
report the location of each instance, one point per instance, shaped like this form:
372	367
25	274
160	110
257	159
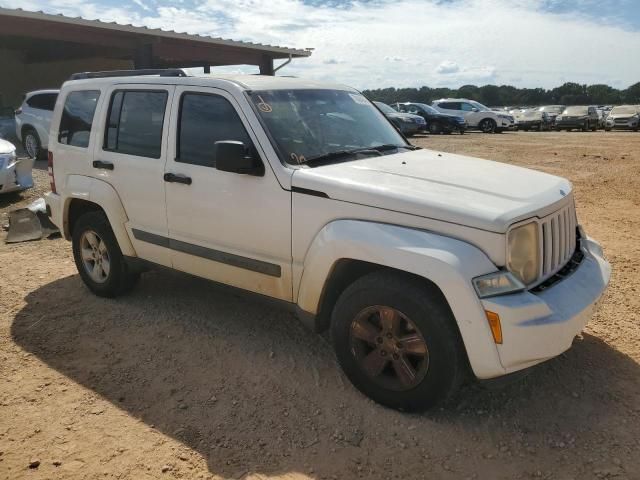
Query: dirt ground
182	379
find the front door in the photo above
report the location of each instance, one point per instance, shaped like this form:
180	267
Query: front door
228	227
132	156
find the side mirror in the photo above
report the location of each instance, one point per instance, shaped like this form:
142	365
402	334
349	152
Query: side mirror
235	157
474	109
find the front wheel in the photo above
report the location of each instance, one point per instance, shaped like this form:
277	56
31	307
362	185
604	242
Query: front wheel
397	342
487	125
435	128
98	258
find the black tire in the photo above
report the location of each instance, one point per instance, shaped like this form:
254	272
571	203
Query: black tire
608	129
119	279
32	144
435	128
487	125
594	127
585	127
446	360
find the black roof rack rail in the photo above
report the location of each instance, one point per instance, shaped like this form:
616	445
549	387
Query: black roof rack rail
163	72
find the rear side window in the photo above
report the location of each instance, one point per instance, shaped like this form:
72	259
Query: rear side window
135	122
77	118
450	105
43	101
204	120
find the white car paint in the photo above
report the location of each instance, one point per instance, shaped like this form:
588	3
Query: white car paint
440	216
473	112
33	117
15	173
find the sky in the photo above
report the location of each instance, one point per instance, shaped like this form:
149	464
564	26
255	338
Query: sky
408	43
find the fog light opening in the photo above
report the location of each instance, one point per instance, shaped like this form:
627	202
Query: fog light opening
494	323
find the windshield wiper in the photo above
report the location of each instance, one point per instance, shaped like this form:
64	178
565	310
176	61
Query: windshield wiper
378	149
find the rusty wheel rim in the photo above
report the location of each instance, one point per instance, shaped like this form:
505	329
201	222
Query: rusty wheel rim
389	348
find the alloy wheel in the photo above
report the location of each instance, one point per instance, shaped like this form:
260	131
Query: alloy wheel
31	145
95	256
389	348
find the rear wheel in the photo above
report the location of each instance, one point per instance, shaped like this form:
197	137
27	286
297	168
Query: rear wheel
397	343
31	143
98	258
488	125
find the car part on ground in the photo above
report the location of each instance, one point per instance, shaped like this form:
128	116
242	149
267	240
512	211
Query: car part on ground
579	117
623	117
31	223
435	122
33	119
407	123
15	173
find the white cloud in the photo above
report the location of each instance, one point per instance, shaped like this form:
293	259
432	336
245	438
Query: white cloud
403	42
448	67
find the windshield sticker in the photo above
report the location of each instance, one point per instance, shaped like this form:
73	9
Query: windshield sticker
298	159
359	99
264	106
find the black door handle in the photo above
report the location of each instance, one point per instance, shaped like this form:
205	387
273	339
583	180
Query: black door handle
102	164
177	178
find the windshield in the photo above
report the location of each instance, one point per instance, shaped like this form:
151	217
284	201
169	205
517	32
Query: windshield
480	106
307	124
575	111
552	109
429	109
385	108
625	109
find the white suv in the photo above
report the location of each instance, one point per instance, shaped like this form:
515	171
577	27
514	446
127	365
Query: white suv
33	119
476	115
424	265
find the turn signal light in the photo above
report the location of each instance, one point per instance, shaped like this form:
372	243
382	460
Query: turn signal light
494	323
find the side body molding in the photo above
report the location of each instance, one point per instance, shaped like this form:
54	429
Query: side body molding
447	262
103	194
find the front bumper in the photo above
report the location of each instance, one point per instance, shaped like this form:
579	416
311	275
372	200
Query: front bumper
570	123
540	326
16	176
622	126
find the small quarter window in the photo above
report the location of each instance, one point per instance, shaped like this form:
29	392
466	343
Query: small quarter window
43	101
135	122
204	120
77	118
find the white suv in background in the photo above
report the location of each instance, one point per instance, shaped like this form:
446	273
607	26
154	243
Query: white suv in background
424	266
476	115
33	119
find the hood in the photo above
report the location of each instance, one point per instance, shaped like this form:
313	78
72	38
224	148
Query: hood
623	115
6	147
452	188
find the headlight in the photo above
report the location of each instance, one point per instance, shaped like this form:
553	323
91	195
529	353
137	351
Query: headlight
523	253
406	119
499	283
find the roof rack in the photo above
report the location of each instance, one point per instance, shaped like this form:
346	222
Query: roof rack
163	72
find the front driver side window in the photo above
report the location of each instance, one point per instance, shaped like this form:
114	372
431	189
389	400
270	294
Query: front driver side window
204	120
466	107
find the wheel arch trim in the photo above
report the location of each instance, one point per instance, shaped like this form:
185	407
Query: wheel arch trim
448	263
103	195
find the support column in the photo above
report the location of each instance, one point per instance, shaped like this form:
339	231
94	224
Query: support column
266	66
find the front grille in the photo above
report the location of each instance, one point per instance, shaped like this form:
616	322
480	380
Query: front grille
621	120
558	240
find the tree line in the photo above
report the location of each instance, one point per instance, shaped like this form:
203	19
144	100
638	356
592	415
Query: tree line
493	95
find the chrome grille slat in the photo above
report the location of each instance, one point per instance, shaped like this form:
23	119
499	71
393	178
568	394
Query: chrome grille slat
558	239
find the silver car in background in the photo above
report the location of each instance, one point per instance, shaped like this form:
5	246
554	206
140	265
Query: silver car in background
623	117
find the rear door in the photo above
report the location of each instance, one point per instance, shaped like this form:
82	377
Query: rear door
131	157
228	227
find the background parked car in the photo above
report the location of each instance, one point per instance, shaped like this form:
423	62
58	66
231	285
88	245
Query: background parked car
33	119
580	117
15	174
436	122
533	119
552	111
407	123
624	117
475	114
